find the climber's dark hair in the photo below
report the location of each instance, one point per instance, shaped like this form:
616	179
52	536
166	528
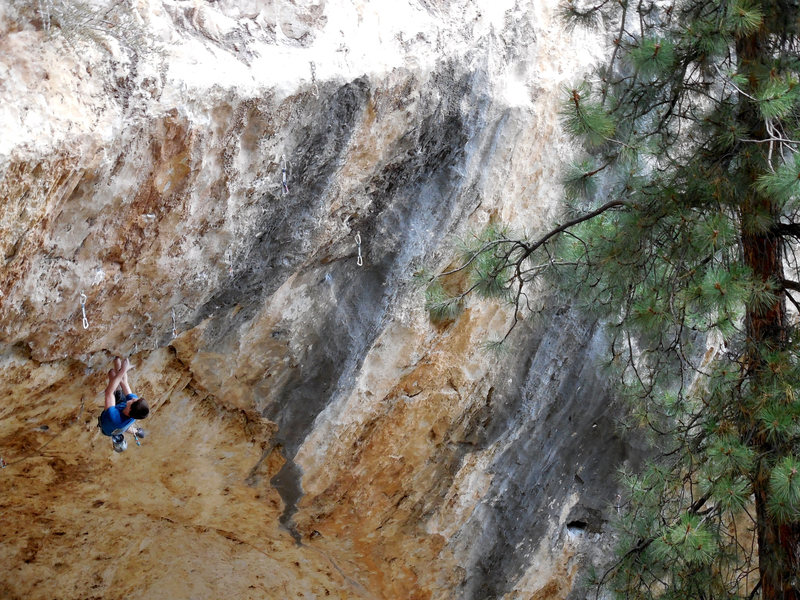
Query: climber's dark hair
139	409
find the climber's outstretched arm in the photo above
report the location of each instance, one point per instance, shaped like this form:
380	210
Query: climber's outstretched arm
126	388
118	362
115	377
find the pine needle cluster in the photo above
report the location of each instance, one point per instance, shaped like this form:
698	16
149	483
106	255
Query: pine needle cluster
489	269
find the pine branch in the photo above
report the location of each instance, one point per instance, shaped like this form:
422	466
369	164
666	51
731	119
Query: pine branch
569	224
790	229
793	301
642	545
755	591
788	284
481	250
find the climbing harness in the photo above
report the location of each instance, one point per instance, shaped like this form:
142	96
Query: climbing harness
174	330
83	311
360	259
285	185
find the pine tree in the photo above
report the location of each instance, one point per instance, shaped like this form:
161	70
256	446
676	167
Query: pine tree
681	236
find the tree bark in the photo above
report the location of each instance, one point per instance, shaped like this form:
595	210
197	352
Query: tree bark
778	549
778	545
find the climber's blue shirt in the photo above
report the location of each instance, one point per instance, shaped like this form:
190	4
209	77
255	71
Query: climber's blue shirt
113	419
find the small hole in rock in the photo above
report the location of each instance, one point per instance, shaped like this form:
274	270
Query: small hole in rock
577	527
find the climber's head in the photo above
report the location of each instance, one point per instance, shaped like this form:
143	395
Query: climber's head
138	409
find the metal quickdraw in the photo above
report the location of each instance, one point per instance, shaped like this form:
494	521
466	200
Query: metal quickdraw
360	259
45	10
314	86
284	182
83	311
229	259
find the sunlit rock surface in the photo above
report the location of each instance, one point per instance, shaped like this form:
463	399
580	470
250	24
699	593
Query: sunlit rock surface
203	178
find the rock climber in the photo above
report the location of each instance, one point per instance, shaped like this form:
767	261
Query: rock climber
122	406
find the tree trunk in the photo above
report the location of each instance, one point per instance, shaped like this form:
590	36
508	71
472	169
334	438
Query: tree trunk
778	545
778	549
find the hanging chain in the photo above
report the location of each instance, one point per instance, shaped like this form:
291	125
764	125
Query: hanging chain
360	259
314	86
83	311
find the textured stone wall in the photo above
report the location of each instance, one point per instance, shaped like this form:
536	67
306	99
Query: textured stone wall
313	434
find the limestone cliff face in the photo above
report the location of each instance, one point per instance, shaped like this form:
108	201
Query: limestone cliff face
203	175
